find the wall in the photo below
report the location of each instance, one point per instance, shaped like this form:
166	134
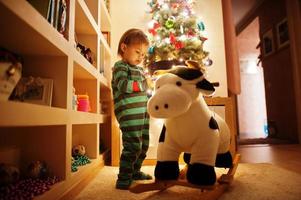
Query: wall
278	69
132	14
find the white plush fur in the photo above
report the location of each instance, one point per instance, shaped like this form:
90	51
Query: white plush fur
187	119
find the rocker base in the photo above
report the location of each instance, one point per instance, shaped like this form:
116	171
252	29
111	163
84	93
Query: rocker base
214	191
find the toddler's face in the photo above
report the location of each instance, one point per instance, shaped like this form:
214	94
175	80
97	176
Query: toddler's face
134	53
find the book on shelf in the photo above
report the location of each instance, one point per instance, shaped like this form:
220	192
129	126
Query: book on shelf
54	11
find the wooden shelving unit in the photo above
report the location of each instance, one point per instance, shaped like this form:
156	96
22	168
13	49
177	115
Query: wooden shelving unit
48	133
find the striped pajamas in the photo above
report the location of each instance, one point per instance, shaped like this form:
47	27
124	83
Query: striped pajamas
130	99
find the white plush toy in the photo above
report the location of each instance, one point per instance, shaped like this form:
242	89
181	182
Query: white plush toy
189	126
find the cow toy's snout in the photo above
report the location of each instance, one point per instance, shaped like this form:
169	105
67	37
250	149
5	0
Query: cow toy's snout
157	107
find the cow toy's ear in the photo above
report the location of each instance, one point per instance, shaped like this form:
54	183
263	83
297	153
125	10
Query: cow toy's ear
206	87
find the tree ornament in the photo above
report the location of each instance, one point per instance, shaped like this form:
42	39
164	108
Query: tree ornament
201	26
190	34
172	38
152	31
156	25
169	23
203	38
151	50
208	62
179	45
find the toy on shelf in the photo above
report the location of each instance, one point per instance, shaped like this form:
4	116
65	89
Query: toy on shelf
86	52
35	181
79	157
9	174
10	73
37	170
78	150
83	103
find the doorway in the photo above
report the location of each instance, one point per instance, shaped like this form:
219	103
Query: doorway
252	114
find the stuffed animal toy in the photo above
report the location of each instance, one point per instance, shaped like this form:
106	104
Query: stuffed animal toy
189	127
78	150
9	174
37	170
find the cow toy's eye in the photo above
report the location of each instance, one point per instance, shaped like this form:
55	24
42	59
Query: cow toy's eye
158	87
178	83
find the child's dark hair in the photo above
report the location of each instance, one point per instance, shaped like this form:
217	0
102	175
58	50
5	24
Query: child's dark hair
132	36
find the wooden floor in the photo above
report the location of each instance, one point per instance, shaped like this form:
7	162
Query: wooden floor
287	156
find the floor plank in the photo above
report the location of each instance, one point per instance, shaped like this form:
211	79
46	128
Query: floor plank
287	156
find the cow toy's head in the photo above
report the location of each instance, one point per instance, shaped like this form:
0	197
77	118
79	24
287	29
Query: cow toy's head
176	90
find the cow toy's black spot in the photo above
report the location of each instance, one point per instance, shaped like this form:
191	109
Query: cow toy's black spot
213	124
162	135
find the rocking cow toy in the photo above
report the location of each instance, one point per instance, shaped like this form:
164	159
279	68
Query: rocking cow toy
189	127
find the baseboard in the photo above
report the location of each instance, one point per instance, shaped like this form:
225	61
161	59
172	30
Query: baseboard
249	141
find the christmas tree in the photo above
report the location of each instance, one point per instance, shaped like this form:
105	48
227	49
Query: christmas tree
176	35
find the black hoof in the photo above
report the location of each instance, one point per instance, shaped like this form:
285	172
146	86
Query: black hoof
224	160
167	170
201	174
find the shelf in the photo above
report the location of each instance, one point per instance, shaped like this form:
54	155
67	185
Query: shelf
105	17
78	117
87	135
25	114
93	7
44	143
105	44
56	69
31	132
27	32
85	168
103	82
82	68
54	193
84	21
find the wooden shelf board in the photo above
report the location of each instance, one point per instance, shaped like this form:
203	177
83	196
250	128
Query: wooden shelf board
25	114
103	82
84	21
107	48
82	68
93	7
105	17
68	188
27	32
78	117
83	170
54	192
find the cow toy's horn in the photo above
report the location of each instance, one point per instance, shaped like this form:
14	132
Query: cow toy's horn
194	65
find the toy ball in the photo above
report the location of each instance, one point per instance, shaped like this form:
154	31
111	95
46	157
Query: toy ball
37	169
78	150
8	174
